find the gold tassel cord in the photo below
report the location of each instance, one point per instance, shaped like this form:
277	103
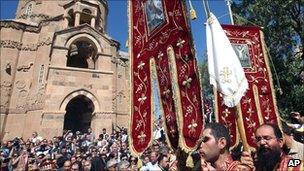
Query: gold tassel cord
189	161
193	15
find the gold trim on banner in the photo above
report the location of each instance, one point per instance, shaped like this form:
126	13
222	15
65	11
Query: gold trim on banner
176	96
155	77
241	128
270	79
152	103
130	26
257	103
177	101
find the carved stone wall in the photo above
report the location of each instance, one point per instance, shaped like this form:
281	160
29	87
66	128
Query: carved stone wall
6	87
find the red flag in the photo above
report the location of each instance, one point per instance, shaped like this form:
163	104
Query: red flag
259	104
160	45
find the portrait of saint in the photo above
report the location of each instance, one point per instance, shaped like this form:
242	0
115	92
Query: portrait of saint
154	13
242	51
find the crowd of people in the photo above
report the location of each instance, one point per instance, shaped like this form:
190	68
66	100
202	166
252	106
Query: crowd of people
110	151
81	151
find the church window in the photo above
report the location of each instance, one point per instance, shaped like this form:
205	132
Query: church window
85	16
82	54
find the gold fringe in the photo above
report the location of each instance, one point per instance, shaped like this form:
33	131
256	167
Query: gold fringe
257	102
155	77
177	100
132	150
130	25
152	105
270	79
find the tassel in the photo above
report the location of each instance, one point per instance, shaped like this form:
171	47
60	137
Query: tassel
192	11
189	161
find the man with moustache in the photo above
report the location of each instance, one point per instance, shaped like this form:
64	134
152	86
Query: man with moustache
269	154
214	150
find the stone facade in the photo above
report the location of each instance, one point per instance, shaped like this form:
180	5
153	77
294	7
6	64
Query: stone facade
53	62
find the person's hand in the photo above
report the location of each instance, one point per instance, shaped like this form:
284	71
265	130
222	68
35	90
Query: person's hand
206	166
246	159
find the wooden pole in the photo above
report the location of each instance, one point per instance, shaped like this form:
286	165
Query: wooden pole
240	126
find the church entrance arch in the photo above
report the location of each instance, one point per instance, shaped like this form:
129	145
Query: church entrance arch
78	115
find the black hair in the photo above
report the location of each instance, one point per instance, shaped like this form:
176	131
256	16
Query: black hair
161	157
218	131
60	161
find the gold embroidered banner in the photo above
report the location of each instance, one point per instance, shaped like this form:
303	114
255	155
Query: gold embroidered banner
259	103
161	49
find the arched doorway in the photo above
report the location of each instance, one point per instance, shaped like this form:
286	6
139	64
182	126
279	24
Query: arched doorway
78	115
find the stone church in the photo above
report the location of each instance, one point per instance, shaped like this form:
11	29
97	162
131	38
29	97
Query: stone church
60	70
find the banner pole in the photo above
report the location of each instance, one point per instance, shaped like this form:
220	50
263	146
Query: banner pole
230	11
206	8
240	127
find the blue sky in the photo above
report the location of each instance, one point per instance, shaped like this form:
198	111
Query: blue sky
118	20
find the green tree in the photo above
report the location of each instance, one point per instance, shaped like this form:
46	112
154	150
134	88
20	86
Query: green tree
282	24
207	90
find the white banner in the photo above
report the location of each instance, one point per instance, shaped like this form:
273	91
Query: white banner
225	70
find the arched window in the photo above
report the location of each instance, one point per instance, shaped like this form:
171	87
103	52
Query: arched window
85	16
82	54
29	9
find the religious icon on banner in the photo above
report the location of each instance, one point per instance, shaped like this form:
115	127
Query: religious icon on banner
242	51
258	106
154	13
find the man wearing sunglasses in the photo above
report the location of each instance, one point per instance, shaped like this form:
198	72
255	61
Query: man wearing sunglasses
214	150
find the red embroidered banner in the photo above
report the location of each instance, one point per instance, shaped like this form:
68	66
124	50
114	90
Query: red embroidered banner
259	104
161	49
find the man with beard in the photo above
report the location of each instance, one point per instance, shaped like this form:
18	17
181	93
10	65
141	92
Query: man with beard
214	150
269	154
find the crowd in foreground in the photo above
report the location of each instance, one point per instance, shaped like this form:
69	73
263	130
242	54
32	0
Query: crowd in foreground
85	152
